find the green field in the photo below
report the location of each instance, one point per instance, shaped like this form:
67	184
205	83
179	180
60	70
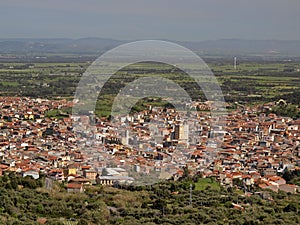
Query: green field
205	183
251	82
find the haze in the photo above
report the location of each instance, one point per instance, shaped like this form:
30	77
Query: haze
190	20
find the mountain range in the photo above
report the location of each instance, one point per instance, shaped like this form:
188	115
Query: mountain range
95	46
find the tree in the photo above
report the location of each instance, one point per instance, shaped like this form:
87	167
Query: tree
83	222
160	204
291	207
287	175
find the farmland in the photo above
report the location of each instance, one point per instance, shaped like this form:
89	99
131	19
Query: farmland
250	82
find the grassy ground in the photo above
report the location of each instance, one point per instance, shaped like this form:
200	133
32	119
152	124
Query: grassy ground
204	183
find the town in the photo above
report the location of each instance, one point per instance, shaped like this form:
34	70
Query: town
254	148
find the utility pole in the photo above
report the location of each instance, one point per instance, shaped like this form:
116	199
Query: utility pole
191	194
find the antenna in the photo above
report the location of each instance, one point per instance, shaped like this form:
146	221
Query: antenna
234	63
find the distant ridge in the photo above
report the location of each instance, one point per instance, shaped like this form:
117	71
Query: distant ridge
100	45
237	46
56	45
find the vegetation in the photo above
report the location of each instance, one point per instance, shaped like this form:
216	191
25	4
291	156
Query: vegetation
59	113
286	110
25	201
206	183
251	82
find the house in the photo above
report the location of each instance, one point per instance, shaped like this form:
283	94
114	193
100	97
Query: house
70	177
75	188
226	179
294	125
277	179
90	174
56	174
255	175
81	180
268	184
71	170
269	172
291	188
34	174
237	206
248	180
178	174
3	167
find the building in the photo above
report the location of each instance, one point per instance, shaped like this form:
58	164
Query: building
75	188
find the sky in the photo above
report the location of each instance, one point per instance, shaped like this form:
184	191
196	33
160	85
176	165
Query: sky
183	20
